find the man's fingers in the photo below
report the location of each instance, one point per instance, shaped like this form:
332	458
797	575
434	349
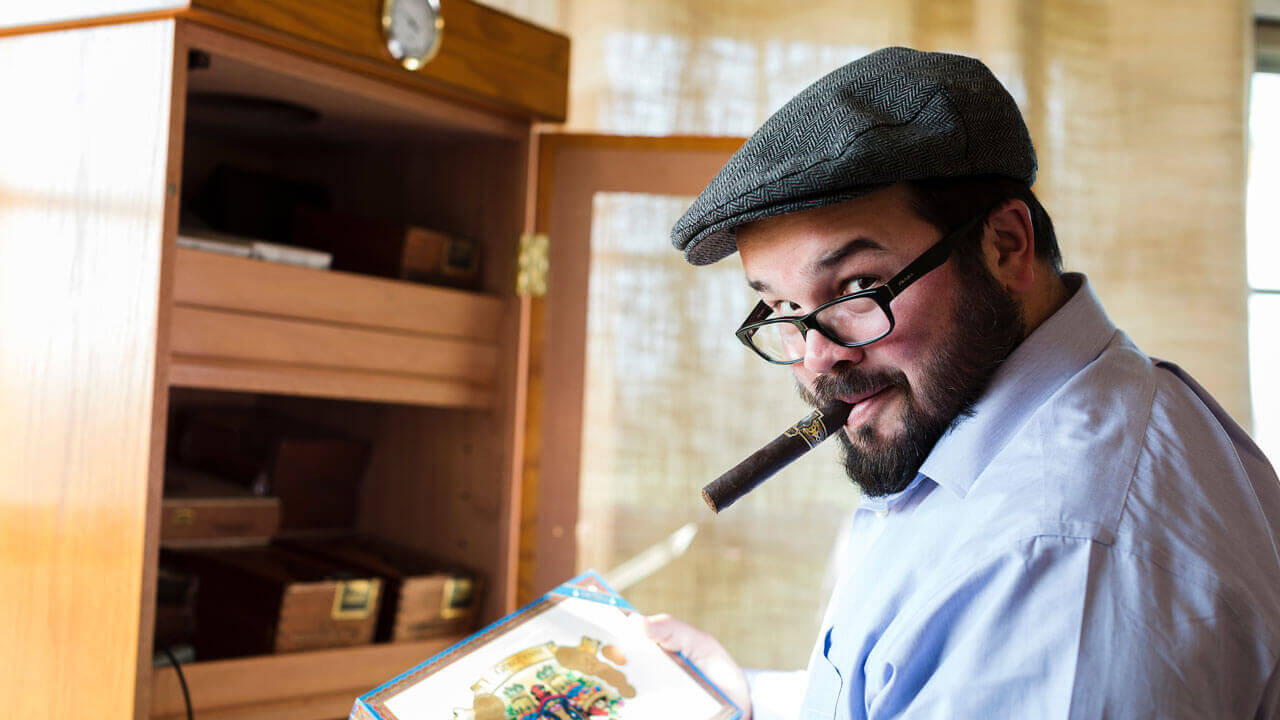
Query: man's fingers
660	628
677	636
701	649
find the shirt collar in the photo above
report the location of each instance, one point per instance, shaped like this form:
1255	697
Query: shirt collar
883	503
1060	347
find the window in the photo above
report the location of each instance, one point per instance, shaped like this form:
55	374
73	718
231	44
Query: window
1263	239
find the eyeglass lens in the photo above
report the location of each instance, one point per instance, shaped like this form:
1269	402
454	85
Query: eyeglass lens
851	321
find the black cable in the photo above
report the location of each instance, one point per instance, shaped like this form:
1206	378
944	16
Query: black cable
182	680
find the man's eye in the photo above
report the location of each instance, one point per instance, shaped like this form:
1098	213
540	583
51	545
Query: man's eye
862	282
785	307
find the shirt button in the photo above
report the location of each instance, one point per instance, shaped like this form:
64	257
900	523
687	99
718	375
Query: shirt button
882	514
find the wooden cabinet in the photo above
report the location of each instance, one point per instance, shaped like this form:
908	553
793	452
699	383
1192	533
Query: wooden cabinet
471	400
106	325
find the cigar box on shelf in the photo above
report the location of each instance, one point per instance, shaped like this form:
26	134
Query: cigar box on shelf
314	472
373	247
200	509
260	600
422	598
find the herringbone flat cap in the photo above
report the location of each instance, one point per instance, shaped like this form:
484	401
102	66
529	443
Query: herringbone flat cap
896	114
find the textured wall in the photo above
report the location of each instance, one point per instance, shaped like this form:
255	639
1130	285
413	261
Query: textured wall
1136	109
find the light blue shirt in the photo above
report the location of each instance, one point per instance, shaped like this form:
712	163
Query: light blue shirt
1097	541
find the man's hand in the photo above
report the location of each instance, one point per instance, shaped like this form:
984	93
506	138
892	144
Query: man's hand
704	651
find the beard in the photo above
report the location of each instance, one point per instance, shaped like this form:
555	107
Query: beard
986	325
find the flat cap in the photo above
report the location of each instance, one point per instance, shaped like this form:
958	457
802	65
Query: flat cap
895	114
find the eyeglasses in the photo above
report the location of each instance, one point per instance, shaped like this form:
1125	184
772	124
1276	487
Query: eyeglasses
853	320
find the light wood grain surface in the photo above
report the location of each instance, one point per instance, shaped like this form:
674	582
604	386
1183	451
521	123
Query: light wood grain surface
83	178
215	333
209	280
284	379
323	683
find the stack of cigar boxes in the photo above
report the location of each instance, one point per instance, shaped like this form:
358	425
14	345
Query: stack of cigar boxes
259	554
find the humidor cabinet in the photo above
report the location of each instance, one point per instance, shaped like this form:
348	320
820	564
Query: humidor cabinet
113	117
471	400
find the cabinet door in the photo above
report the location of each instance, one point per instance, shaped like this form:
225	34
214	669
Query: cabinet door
577	176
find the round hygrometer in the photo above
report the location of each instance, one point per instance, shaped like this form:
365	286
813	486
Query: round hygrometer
412	29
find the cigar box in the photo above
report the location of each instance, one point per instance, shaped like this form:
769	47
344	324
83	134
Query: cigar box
422	598
314	473
373	247
261	600
573	653
202	509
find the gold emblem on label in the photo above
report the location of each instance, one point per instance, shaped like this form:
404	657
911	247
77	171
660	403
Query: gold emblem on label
355	599
459	597
810	429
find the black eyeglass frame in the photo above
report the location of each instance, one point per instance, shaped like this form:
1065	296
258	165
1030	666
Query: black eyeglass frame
928	261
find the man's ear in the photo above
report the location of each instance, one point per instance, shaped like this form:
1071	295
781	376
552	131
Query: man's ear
1009	246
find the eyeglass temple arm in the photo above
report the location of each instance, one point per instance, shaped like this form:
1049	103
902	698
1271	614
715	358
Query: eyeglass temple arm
931	258
758	313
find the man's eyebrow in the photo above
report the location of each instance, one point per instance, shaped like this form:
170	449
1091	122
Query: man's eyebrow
834	257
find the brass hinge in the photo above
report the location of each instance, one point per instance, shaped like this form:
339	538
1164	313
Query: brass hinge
532	265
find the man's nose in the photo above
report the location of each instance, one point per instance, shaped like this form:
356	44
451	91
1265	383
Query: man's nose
821	354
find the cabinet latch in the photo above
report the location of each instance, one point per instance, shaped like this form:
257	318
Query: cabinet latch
532	265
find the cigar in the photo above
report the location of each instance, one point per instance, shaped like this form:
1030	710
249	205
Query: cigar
763	463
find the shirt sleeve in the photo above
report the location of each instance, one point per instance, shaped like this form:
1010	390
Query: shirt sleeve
1068	627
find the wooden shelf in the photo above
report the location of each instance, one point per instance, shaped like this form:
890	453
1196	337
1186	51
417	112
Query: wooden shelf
253	326
296	686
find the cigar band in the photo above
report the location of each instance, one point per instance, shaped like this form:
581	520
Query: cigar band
810	429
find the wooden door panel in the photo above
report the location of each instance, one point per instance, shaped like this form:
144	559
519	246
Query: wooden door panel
571	169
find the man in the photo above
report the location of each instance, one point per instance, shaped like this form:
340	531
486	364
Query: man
1054	525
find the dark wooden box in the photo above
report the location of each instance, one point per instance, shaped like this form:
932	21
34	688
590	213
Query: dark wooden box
422	598
255	601
252	204
314	472
373	247
200	509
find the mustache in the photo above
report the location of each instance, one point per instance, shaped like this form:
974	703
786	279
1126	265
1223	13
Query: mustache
850	381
